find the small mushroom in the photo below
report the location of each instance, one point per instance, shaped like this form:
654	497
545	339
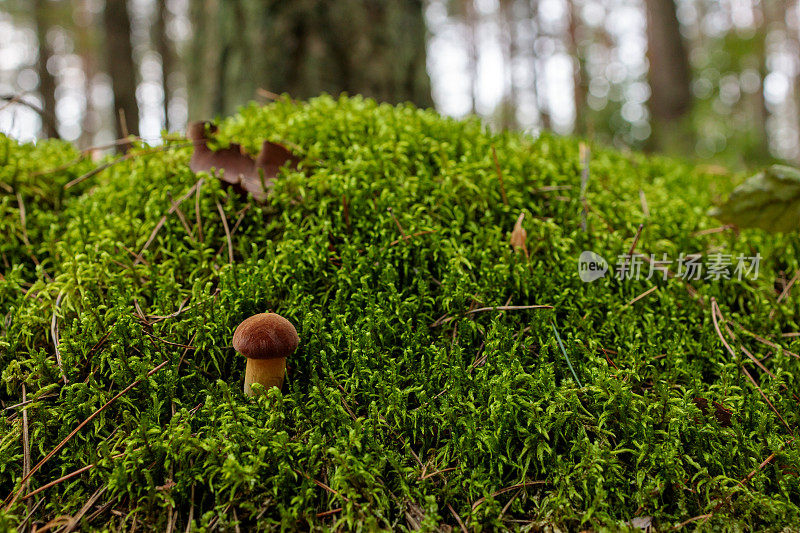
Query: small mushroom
266	339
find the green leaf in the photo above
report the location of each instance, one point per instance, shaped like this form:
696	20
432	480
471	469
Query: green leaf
770	200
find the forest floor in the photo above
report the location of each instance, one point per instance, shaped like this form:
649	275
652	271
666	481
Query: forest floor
454	370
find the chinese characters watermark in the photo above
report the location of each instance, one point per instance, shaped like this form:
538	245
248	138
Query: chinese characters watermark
715	267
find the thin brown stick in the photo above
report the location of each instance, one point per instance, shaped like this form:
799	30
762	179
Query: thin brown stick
645	293
506	489
406	237
131	155
507	506
633	244
399	226
26	445
458	519
714	311
12	498
328	513
712	230
227	231
764	341
445	319
749	476
499	177
163	220
236	225
757	362
785	291
322	485
346	212
182	218
75	520
693	519
769	403
28	402
54	335
197	210
65	477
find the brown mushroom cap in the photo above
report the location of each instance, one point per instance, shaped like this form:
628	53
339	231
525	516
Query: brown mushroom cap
265	336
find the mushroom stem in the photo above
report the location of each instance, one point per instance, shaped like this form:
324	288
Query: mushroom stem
267	372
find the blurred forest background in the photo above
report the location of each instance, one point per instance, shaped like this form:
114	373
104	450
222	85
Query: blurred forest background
717	81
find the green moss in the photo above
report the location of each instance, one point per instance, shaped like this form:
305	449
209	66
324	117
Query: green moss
485	401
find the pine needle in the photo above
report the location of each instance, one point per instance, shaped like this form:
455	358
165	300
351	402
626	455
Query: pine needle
565	354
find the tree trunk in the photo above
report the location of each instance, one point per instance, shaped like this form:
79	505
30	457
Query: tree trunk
121	67
47	83
164	48
304	47
579	74
471	21
669	76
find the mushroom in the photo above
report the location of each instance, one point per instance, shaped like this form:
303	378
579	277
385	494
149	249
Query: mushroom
266	339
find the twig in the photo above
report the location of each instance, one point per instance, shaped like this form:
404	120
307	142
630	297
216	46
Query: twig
506	489
714	310
236	225
764	341
561	344
322	485
48	117
508	504
406	237
346	212
645	293
182	218
458	519
445	319
75	520
26	445
633	244
163	220
197	210
761	392
399	227
65	477
28	402
12	498
130	155
712	230
328	513
785	292
744	481
54	334
499	177
227	231
21	525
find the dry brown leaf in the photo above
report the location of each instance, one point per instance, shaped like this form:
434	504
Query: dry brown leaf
721	413
519	236
238	169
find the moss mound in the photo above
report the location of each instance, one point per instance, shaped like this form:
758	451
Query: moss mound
402	409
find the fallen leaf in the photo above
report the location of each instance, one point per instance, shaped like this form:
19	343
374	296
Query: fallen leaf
721	413
519	236
235	167
770	200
